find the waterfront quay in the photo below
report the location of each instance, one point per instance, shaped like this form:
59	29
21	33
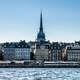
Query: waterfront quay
38	64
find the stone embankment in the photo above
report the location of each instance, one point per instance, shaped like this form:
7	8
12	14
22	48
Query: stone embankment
36	64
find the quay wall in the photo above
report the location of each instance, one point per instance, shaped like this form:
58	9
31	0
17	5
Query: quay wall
38	66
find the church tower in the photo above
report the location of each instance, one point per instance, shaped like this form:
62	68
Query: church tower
41	34
41	49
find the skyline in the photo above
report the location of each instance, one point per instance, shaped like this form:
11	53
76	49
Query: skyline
20	20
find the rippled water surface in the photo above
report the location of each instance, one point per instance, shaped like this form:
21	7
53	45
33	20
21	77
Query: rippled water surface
39	73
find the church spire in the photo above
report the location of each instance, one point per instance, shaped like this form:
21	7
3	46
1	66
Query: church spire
41	34
41	23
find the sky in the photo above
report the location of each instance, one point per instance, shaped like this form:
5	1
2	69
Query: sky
20	20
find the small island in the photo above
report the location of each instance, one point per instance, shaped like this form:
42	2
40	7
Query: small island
40	53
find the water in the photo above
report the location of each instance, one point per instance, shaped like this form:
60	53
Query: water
39	73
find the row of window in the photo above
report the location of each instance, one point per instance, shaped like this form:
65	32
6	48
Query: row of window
73	57
22	51
22	54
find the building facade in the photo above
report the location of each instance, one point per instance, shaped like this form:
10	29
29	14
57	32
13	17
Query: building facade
22	53
16	51
41	52
73	53
9	53
56	52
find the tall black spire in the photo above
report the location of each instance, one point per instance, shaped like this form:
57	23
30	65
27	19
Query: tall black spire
41	35
41	23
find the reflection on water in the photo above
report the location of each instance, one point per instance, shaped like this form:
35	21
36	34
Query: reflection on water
39	73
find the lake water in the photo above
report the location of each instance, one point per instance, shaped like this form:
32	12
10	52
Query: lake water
39	73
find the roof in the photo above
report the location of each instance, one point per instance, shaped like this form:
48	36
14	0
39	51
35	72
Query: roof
21	44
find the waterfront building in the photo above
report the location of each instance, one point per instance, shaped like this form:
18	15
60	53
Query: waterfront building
16	51
41	51
9	51
56	52
63	47
77	42
22	51
73	52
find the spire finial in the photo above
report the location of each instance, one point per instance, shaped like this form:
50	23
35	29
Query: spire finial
41	23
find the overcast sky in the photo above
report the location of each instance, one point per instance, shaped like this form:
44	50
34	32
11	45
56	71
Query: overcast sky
20	20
